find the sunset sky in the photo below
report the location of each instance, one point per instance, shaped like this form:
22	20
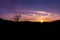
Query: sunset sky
30	10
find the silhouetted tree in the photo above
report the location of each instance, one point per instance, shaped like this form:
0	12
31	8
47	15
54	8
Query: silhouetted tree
17	17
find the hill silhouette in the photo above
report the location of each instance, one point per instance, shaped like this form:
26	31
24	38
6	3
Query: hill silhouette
26	26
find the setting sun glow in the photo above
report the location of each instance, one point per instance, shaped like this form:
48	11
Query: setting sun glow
41	21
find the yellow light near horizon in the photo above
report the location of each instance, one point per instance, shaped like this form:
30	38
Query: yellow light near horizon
41	21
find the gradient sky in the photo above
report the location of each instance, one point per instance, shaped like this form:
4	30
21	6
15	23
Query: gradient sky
30	10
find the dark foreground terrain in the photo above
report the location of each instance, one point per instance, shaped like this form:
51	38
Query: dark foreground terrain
9	26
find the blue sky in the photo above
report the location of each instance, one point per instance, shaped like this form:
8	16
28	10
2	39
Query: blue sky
45	5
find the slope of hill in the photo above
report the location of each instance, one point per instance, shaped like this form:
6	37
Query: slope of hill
10	26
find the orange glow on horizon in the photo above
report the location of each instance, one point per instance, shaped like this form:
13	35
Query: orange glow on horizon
35	16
